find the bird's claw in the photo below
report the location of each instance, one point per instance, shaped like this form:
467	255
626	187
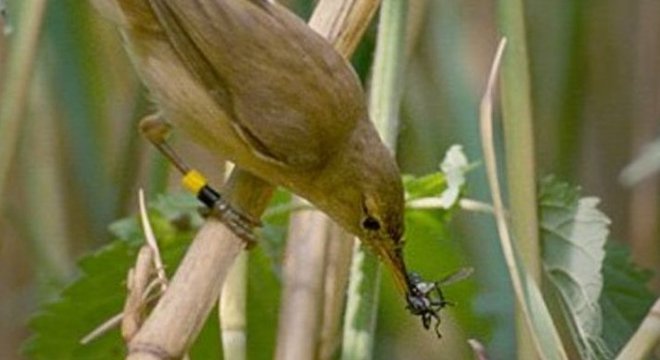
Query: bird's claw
239	223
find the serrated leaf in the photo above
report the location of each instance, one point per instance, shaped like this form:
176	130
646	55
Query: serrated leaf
625	299
574	233
100	291
95	296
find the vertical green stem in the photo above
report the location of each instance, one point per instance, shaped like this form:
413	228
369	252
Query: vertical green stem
519	144
519	139
44	199
72	36
389	64
385	99
361	306
540	332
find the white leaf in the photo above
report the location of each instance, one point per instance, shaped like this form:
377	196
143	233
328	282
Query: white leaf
454	166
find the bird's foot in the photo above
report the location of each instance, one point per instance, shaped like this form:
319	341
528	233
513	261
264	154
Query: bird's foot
239	223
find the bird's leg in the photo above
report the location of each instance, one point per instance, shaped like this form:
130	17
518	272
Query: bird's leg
156	130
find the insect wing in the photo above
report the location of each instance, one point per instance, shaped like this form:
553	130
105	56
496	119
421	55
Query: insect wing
456	276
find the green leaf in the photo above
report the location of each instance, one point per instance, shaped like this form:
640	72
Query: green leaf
430	185
178	205
625	299
90	300
574	233
100	290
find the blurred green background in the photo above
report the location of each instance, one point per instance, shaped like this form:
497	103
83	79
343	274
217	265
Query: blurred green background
79	160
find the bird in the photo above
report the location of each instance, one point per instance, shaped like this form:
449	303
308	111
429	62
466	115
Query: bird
250	81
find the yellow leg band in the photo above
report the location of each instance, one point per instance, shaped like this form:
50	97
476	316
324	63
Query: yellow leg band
194	181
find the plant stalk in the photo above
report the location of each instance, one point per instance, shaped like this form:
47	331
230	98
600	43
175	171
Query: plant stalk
302	294
44	195
538	323
338	267
647	336
17	78
232	310
519	149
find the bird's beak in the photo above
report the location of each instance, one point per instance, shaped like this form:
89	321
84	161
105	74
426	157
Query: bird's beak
393	260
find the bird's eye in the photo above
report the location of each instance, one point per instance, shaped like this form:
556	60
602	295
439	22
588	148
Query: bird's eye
371	223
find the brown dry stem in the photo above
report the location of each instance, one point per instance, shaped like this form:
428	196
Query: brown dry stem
232	310
138	281
302	294
646	338
177	319
337	270
343	22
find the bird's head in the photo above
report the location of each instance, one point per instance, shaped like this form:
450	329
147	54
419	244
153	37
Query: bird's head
362	190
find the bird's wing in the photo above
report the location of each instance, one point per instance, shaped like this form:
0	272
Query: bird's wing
289	94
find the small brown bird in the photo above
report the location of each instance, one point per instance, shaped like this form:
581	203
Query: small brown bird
251	81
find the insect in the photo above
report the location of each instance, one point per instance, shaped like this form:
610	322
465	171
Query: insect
426	298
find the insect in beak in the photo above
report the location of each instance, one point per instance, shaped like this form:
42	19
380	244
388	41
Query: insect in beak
425	299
